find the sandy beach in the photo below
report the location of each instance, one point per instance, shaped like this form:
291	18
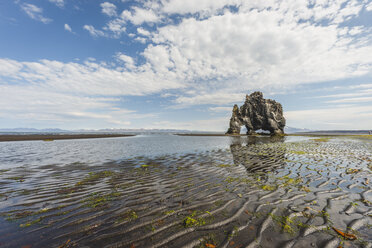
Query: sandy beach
256	193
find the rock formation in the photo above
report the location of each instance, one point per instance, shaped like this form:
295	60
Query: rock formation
257	113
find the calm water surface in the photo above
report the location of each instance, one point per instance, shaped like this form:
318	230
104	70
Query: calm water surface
98	151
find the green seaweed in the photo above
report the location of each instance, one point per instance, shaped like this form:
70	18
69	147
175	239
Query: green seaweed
268	187
128	216
2	171
225	165
99	200
192	220
298	152
19	178
94	176
169	212
287	181
321	140
287	224
148	165
126	185
30	223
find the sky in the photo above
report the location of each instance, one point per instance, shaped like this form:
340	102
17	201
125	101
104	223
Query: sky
93	64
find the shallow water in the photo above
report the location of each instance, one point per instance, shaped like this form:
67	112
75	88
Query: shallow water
187	191
98	151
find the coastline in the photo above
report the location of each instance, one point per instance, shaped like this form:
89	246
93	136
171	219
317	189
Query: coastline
314	134
206	134
51	137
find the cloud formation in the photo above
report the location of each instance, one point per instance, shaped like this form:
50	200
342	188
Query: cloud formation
67	28
92	31
89	78
333	118
59	3
34	105
212	52
249	44
35	13
264	48
108	9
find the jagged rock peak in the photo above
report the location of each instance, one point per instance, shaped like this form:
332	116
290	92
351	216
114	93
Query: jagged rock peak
257	113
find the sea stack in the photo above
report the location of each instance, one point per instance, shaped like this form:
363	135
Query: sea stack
257	113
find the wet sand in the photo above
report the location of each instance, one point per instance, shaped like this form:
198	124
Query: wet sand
51	137
254	194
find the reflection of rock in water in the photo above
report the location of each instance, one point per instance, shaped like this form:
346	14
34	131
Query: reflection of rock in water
259	154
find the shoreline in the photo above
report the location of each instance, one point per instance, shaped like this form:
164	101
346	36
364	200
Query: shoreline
206	134
166	199
51	137
290	134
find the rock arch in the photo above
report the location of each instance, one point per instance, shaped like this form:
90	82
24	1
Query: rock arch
257	113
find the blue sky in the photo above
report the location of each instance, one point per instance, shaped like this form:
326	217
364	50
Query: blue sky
183	64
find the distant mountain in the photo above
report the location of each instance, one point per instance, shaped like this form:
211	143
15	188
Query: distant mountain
296	130
126	130
137	130
107	130
32	130
288	130
340	132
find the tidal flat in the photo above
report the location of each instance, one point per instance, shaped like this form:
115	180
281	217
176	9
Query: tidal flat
187	192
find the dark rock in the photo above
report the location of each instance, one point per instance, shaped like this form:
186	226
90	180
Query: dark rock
257	113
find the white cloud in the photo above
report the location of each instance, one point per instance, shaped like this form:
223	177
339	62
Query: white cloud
210	98
89	78
10	68
195	6
116	26
141	40
143	32
35	105
214	55
339	117
129	62
369	7
94	32
364	92
59	3
352	100
262	46
139	16
74	94
210	125
361	86
67	27
356	30
221	109
35	12
108	9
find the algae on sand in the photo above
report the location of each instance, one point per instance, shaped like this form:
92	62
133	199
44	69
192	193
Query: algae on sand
175	200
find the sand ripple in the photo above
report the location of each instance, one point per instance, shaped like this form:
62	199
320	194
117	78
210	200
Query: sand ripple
256	195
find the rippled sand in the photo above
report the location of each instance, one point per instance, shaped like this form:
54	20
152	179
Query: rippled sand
254	194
